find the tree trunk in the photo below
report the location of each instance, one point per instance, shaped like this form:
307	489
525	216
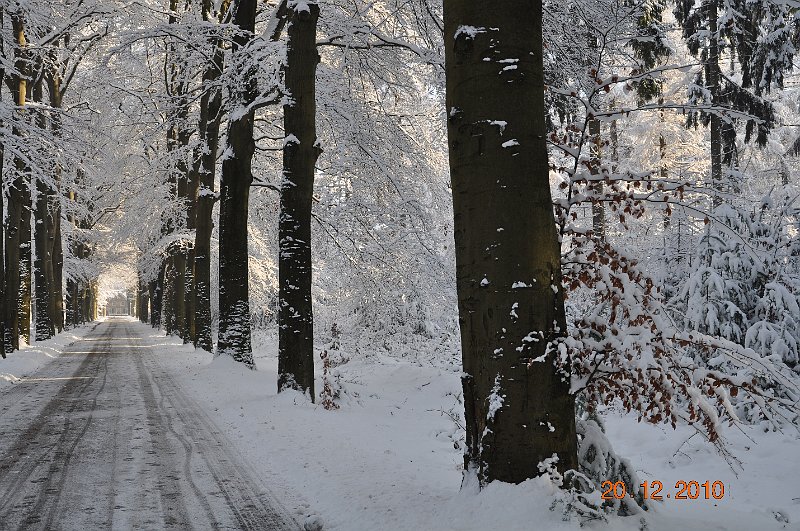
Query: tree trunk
300	153
712	71
518	407
234	303
25	263
595	161
210	118
15	198
43	262
3	300
168	298
54	213
142	301
156	291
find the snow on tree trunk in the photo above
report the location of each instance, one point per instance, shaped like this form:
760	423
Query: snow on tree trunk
234	304
300	153
210	117
507	251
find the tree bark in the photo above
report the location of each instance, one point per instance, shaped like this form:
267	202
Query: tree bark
25	263
518	407
300	153
712	71
15	197
43	262
595	162
234	303
142	300
210	118
3	300
54	211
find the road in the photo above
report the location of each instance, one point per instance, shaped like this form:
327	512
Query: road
103	438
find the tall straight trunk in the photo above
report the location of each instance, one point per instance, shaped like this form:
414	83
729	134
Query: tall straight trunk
595	161
2	252
43	262
300	153
25	262
13	215
168	297
712	71
3	300
595	155
182	252
188	333
156	291
174	295
518	407
142	302
72	301
16	198
54	212
663	172
210	118
234	302
43	265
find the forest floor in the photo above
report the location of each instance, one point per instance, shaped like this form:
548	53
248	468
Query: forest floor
101	437
388	459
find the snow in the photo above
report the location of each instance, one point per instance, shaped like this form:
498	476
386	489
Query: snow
391	457
30	358
495	399
510	143
469	31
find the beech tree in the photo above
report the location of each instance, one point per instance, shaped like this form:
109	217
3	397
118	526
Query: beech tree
300	153
518	407
208	130
234	307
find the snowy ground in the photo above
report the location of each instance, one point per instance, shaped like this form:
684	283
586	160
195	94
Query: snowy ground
30	358
386	459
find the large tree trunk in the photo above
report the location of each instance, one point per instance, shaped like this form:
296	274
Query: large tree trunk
234	303
16	198
300	153
43	262
25	262
2	253
168	299
210	118
12	256
519	410
54	213
156	292
142	301
3	300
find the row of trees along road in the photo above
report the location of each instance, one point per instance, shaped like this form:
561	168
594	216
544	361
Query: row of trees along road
121	119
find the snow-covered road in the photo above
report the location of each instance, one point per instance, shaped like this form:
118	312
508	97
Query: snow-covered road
102	438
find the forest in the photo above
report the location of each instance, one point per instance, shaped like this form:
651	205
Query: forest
428	264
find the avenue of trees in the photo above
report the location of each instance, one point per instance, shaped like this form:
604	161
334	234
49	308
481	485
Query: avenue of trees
579	203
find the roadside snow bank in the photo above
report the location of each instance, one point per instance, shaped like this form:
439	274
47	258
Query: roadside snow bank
31	358
391	457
